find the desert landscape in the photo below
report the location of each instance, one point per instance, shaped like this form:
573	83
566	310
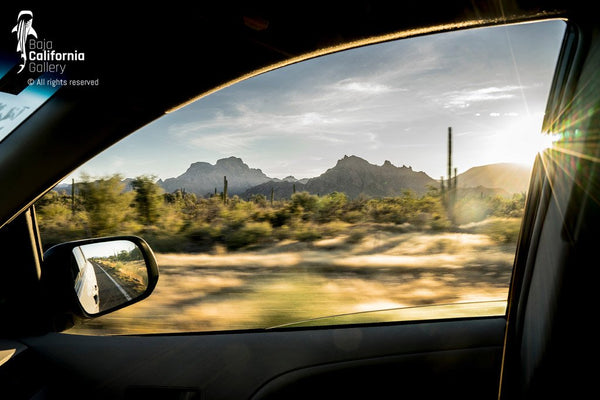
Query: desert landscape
360	243
393	273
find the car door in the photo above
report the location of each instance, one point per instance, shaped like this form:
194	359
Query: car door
440	354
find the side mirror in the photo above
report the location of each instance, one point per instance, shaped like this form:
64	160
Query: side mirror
93	277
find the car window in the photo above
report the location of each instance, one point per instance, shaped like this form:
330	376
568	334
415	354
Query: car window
17	102
382	183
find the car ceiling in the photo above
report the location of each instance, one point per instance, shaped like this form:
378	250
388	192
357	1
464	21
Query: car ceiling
152	59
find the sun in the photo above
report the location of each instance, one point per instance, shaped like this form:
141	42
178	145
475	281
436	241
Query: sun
521	140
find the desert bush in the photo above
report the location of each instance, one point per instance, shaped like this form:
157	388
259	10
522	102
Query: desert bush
280	217
304	204
307	233
504	230
181	221
259	199
352	216
439	222
251	233
204	234
149	199
107	205
331	207
389	209
477	208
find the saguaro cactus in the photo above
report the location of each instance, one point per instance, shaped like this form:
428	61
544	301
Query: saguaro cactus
449	157
225	183
454	192
455	184
73	196
451	192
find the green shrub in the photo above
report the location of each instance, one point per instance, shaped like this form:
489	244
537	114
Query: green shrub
439	222
204	235
304	204
248	234
352	216
331	207
181	221
307	233
281	217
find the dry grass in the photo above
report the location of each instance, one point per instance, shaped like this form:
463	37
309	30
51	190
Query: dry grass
295	281
131	275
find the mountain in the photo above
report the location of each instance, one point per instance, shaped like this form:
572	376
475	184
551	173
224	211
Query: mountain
202	178
351	175
354	176
513	178
281	189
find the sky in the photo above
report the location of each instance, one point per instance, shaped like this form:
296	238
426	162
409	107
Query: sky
391	101
107	249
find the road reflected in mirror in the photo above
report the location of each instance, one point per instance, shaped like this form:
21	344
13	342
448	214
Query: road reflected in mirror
109	274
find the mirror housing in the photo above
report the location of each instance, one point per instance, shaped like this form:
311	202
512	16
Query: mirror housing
93	277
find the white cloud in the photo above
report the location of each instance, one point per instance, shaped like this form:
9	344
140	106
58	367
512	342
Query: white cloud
244	128
363	87
464	98
314	118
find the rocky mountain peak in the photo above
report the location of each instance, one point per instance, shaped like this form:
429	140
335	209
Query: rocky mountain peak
230	162
203	178
351	162
354	176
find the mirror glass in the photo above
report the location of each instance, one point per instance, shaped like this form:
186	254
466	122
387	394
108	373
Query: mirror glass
109	274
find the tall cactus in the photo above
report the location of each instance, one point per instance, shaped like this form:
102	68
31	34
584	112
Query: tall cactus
225	183
454	191
449	158
451	193
73	196
272	195
455	184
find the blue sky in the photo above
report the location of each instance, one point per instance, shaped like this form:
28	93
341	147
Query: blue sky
392	101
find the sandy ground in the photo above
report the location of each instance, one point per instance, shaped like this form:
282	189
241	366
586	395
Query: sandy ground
295	281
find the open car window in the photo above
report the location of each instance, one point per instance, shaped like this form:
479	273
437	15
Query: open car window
383	183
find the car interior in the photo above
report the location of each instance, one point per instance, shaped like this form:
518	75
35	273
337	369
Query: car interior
151	61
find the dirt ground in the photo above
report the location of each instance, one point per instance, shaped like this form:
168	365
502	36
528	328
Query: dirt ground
296	281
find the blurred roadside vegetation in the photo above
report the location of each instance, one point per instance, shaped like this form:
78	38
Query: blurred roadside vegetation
184	222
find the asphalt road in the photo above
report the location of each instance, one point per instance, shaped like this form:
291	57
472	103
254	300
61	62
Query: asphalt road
110	292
